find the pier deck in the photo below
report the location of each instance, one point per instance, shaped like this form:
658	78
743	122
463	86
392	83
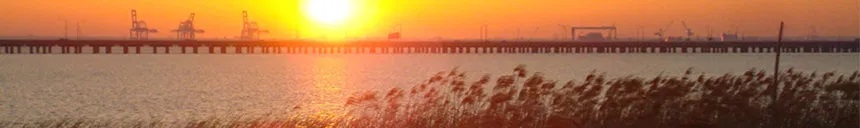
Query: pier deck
426	47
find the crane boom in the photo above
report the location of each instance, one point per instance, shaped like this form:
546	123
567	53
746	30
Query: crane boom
669	25
687	30
191	18
684	24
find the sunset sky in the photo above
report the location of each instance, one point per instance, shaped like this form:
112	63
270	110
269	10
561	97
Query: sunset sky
429	19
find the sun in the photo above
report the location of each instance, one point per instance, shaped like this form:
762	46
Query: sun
329	12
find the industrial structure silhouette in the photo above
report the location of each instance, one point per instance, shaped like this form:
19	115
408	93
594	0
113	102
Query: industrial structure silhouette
594	41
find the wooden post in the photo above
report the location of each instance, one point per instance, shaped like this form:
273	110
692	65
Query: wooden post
775	109
778	50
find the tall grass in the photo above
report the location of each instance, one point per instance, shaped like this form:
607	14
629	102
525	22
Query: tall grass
524	99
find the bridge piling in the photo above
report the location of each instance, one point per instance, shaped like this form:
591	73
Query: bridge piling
96	49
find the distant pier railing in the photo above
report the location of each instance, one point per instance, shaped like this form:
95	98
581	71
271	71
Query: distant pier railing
430	47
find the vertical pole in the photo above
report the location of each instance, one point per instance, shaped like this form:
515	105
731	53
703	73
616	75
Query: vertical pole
66	29
775	110
96	49
778	50
78	31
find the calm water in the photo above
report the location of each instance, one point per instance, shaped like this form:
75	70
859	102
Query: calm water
175	87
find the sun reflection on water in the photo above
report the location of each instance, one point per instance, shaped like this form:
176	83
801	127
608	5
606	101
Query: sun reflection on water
328	77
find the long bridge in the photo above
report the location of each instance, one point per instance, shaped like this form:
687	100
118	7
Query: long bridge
417	47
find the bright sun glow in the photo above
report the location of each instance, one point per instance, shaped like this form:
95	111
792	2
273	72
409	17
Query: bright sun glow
329	12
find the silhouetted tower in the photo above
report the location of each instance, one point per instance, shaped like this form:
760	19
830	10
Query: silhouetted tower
186	30
250	30
139	30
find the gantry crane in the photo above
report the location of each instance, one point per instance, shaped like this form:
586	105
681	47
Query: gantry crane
186	30
250	30
139	30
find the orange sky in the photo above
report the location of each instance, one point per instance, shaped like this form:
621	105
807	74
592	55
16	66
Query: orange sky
427	19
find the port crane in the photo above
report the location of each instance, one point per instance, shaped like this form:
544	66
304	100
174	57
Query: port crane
186	30
250	30
139	30
661	33
688	31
